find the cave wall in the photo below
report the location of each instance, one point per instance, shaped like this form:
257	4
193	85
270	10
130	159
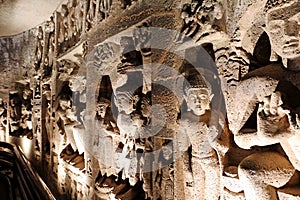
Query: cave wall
126	99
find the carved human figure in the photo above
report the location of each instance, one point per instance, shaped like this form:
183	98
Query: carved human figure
50	46
91	14
200	128
39	47
274	125
105	7
125	101
25	121
71	19
106	143
143	120
105	117
142	142
49	25
129	120
165	174
238	62
142	39
201	18
104	55
282	27
126	104
79	11
63	24
102	107
190	23
15	111
26	97
67	116
77	84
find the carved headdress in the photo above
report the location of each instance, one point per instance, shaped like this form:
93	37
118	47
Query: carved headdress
195	80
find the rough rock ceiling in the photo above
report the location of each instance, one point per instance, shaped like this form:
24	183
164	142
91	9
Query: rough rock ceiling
17	16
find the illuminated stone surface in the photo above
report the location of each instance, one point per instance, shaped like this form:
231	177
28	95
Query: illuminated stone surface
147	99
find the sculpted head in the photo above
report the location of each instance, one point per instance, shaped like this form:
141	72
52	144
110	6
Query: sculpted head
125	101
167	151
77	83
102	106
65	102
185	12
283	28
105	54
197	94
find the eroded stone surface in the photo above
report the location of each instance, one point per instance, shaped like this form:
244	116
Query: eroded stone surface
159	99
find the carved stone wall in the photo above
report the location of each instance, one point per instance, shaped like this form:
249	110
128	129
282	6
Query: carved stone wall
191	99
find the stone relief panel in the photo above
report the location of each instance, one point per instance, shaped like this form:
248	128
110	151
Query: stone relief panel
160	100
270	115
134	143
17	56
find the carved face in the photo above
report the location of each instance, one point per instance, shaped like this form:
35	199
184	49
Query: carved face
104	52
26	93
64	104
283	28
198	100
124	102
101	109
221	62
77	84
167	152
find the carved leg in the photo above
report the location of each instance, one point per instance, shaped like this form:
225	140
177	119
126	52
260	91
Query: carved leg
188	176
261	173
211	170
